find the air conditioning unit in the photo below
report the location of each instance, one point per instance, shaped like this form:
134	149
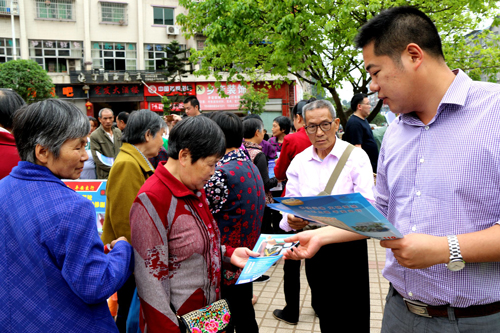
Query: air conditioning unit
173	30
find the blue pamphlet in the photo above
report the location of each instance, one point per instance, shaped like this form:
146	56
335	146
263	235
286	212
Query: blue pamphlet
351	212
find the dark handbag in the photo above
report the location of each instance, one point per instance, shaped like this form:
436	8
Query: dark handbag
213	318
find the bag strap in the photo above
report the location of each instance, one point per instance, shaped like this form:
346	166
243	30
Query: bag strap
336	172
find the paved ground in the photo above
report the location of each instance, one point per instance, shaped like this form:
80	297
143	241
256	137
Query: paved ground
271	297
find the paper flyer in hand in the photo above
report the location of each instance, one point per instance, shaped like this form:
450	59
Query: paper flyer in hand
271	249
104	159
351	212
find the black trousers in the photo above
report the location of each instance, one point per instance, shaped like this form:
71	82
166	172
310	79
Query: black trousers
125	295
291	288
340	290
242	312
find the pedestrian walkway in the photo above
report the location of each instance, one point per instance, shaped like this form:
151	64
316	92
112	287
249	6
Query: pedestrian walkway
271	297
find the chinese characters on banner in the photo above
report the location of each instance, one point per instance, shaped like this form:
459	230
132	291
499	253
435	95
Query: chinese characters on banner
106	90
210	99
169	89
95	191
158	107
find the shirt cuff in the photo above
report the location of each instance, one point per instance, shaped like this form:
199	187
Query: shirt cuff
284	223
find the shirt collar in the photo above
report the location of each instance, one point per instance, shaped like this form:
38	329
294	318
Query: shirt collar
177	188
34	172
237	154
455	95
3	130
127	148
337	150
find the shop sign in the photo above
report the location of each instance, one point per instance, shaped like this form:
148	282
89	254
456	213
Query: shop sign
158	107
170	89
70	91
115	90
209	98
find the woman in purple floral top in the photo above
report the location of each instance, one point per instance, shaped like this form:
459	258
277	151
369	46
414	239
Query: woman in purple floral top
236	198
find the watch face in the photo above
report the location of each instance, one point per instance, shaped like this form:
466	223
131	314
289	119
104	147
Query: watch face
456	265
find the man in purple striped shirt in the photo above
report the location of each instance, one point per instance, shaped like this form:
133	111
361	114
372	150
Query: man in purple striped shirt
438	182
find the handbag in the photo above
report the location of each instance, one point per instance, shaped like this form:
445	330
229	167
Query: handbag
213	318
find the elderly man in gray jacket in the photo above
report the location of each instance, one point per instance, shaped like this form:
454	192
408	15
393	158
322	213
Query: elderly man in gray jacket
106	140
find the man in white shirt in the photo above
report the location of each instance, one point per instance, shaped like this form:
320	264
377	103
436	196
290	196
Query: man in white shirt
338	273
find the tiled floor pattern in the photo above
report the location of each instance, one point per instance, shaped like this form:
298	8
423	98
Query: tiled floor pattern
271	297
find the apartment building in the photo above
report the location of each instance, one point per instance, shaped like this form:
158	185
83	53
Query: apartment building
111	53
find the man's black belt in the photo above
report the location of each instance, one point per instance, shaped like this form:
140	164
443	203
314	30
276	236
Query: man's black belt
426	310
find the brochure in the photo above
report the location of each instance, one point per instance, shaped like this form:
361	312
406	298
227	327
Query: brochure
105	160
351	212
271	249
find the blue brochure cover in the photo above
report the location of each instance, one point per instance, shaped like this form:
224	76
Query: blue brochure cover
271	249
346	211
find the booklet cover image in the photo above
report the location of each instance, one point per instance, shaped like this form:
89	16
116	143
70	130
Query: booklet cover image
271	248
346	211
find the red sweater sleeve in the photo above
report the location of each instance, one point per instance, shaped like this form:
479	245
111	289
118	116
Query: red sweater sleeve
286	156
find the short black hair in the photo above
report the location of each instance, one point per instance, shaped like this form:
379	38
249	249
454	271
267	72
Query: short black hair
252	115
48	123
231	126
284	123
193	100
393	29
200	135
10	102
140	122
123	116
297	108
250	126
356	100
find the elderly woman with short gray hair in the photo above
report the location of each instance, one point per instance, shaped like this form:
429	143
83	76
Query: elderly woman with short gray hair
54	275
142	139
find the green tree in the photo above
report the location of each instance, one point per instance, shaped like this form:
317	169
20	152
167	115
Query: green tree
28	79
253	100
178	67
313	40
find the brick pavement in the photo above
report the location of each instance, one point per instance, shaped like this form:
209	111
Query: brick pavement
271	297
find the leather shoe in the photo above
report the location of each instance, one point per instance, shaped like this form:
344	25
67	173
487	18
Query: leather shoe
278	314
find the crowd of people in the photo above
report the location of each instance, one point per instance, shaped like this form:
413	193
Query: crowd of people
179	228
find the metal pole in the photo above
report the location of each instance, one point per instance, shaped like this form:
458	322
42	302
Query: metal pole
14	52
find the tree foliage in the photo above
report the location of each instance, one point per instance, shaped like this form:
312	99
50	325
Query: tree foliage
253	100
313	40
178	66
28	79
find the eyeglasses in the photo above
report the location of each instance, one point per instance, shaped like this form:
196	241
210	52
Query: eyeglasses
313	128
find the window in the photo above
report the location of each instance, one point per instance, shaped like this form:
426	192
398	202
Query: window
154	54
52	55
114	56
114	12
163	16
54	9
6	49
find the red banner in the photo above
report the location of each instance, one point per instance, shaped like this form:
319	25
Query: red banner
169	89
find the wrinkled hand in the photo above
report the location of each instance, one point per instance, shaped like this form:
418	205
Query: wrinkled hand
112	245
296	223
240	256
310	243
418	251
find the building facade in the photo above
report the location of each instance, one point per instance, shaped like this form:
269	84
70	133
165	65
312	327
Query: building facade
111	53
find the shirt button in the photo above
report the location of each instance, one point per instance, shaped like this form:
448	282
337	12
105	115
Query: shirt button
414	228
217	270
426	128
417	193
200	205
209	226
422	160
410	294
217	290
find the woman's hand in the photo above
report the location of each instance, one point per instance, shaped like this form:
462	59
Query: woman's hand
240	256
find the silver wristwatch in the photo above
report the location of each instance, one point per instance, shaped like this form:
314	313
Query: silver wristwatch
456	262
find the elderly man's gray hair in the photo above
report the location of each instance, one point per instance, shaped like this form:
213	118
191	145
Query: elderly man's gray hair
48	123
104	109
319	104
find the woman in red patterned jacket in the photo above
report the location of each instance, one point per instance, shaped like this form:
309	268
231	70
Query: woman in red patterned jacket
177	247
